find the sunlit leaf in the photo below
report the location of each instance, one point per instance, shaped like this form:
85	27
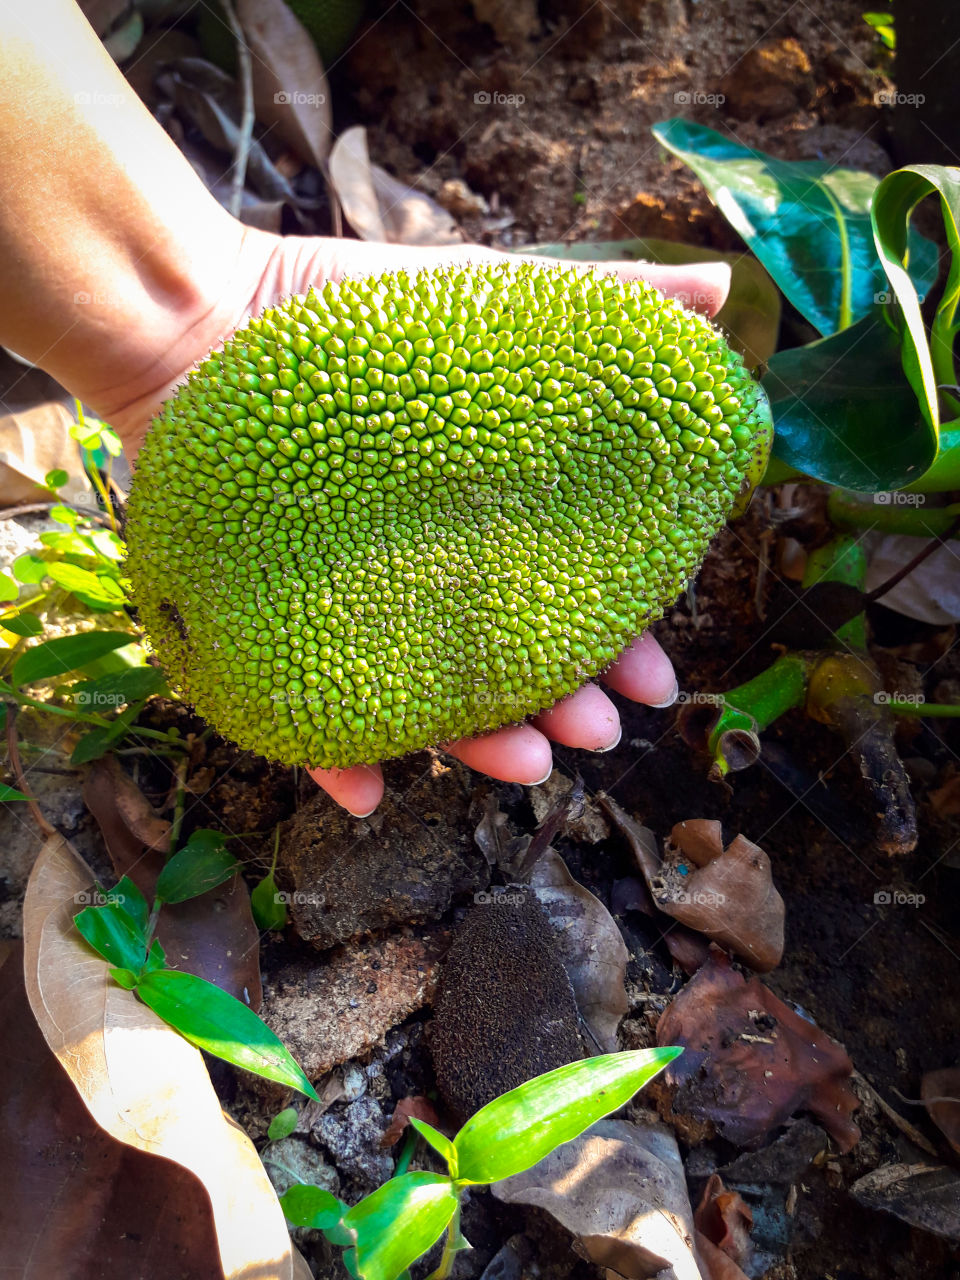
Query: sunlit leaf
23	624
439	1141
193	871
305	1206
113	934
400	1221
64	654
9	590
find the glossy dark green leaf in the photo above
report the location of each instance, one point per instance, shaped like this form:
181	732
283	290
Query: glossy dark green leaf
844	412
65	654
23	624
439	1141
269	911
751	314
126	893
519	1128
807	221
205	840
113	934
306	1206
7	794
282	1124
214	1020
400	1221
156	956
113	690
192	871
9	589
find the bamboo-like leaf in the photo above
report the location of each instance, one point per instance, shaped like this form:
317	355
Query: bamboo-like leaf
400	1221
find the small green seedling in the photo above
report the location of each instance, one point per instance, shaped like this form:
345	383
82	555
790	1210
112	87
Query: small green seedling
121	928
387	1232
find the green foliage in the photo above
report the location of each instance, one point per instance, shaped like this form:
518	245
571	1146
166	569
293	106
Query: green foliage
283	1124
8	794
65	654
199	866
882	24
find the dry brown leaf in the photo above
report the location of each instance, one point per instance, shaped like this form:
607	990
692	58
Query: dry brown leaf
714	1263
940	1091
923	1195
419	1107
34	442
290	90
591	947
141	1081
620	1189
350	173
725	1218
410	216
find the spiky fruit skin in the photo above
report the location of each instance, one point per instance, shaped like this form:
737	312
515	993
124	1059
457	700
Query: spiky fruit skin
413	508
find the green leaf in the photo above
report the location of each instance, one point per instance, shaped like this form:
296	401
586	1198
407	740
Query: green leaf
8	794
112	933
844	412
268	912
125	977
9	589
96	589
282	1125
126	893
215	1021
56	479
439	1141
400	1221
29	569
98	741
883	25
113	690
205	840
23	624
306	1206
107	545
66	653
156	957
193	871
110	441
519	1128
806	220
64	515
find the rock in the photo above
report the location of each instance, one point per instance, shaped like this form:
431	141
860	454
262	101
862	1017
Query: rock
304	1162
333	1009
403	865
352	1136
772	79
505	1010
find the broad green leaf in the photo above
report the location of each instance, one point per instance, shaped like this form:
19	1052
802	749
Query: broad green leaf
400	1221
215	1021
268	911
29	569
844	412
519	1128
64	515
113	934
806	220
117	688
56	479
8	794
65	654
23	624
96	589
107	544
282	1125
110	441
9	589
439	1141
205	840
126	893
98	741
751	314
126	978
306	1206
193	871
156	956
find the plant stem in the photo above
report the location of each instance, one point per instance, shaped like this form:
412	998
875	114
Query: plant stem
406	1153
181	776
453	1243
89	718
920	710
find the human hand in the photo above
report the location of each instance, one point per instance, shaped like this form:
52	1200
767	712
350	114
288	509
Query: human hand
273	267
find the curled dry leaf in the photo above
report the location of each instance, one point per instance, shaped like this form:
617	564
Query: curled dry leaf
620	1189
419	1107
140	1080
214	935
940	1091
593	952
34	442
923	1195
377	206
725	1219
750	1061
290	90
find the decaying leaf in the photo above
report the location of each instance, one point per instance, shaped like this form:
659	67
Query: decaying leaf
924	1195
377	206
213	935
750	1061
940	1091
593	952
34	442
620	1189
723	1220
290	90
141	1081
419	1107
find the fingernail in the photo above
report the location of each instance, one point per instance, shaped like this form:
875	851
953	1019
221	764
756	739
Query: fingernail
602	750
540	781
667	702
364	815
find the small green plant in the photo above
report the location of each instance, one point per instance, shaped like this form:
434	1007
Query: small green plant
386	1233
121	928
883	25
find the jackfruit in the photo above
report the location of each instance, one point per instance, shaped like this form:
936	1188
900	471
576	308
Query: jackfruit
410	508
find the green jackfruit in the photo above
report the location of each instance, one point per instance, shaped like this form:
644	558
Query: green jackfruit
411	508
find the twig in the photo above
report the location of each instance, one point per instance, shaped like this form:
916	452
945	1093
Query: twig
16	766
238	174
905	1127
896	578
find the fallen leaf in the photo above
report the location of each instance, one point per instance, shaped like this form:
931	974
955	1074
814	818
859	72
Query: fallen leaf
585	821
493	835
940	1091
591	948
34	442
725	1218
213	935
620	1189
714	1263
377	205
929	593
419	1107
290	90
751	1062
141	1082
923	1195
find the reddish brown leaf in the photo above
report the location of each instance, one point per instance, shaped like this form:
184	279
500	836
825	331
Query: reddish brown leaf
714	1263
725	1218
940	1091
419	1107
751	1062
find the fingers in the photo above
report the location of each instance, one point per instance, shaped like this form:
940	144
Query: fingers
701	286
358	789
518	753
644	673
586	719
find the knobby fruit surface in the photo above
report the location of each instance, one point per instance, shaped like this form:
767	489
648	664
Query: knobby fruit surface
414	507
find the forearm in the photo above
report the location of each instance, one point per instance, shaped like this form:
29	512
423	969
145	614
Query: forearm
113	252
